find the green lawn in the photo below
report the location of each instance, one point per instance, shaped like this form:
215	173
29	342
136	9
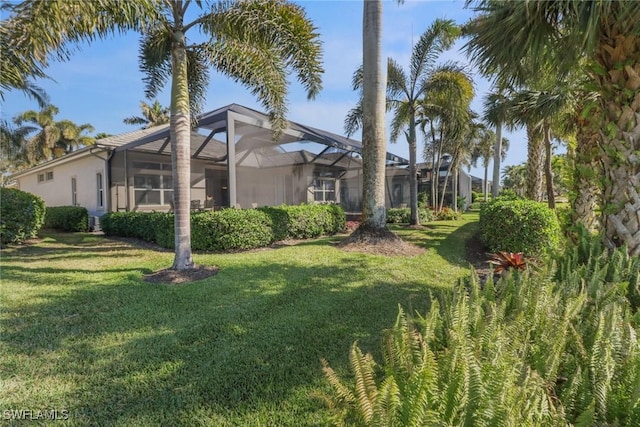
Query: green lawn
82	332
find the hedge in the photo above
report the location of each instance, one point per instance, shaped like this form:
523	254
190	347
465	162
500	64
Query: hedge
230	229
67	218
21	215
403	215
519	226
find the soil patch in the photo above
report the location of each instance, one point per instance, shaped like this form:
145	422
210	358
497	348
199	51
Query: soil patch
173	277
379	243
477	255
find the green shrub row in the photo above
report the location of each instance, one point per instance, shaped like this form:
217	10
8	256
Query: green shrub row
67	218
534	349
519	226
306	220
403	215
21	215
230	229
447	214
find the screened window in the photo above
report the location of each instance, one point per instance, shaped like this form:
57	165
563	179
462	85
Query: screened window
100	189
153	189
324	190
74	192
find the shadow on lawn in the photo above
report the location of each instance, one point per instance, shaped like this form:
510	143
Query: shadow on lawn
243	345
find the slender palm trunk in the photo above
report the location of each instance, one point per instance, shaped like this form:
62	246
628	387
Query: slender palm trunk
180	133
455	190
535	160
485	190
497	159
413	175
373	122
585	194
620	137
548	168
444	187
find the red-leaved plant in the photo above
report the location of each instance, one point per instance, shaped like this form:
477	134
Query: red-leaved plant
507	261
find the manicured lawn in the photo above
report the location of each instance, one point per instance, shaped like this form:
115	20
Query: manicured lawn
82	332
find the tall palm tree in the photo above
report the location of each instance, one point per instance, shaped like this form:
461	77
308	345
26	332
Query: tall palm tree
373	122
256	42
515	178
513	36
484	150
496	113
404	91
152	115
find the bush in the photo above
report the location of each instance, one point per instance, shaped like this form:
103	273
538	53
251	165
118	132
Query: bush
519	226
508	194
448	214
305	221
230	228
475	206
21	215
403	215
67	218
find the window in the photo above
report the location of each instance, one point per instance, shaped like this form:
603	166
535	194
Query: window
74	192
153	189
100	189
45	176
324	190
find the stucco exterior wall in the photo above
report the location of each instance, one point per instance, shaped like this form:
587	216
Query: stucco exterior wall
86	170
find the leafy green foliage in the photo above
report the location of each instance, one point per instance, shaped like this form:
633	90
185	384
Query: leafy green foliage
22	215
229	229
447	214
306	220
403	215
519	226
560	348
67	218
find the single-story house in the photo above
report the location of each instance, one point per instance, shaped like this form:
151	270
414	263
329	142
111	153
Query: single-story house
234	163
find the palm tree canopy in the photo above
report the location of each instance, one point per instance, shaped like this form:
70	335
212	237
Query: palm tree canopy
152	115
508	36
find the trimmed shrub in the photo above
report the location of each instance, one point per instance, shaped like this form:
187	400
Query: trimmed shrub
448	214
519	226
475	206
403	215
21	215
67	218
231	229
305	221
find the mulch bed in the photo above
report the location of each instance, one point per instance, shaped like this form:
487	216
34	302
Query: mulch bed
173	277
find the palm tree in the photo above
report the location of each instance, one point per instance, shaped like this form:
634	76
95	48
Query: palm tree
373	125
49	138
513	36
404	91
515	178
496	113
484	149
255	42
152	115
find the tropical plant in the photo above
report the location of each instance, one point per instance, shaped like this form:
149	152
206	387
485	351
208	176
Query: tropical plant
46	139
563	32
561	348
505	261
257	42
152	115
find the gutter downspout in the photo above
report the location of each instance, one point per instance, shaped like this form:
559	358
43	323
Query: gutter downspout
107	177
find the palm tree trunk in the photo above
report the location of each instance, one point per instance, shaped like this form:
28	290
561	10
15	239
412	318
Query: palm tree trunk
413	176
585	194
620	137
455	190
444	187
548	169
535	147
485	183
497	159
180	133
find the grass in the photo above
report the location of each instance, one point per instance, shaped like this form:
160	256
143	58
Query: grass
82	332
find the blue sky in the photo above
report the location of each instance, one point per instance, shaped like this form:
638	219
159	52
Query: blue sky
101	83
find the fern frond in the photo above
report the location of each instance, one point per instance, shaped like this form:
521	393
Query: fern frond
365	387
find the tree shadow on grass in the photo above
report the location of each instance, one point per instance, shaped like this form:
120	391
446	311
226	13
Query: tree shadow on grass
241	348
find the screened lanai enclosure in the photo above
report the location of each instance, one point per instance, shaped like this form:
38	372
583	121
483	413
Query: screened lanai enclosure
236	163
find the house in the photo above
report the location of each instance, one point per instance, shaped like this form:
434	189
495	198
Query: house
234	163
466	183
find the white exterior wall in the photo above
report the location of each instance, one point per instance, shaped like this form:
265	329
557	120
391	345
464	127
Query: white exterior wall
57	192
